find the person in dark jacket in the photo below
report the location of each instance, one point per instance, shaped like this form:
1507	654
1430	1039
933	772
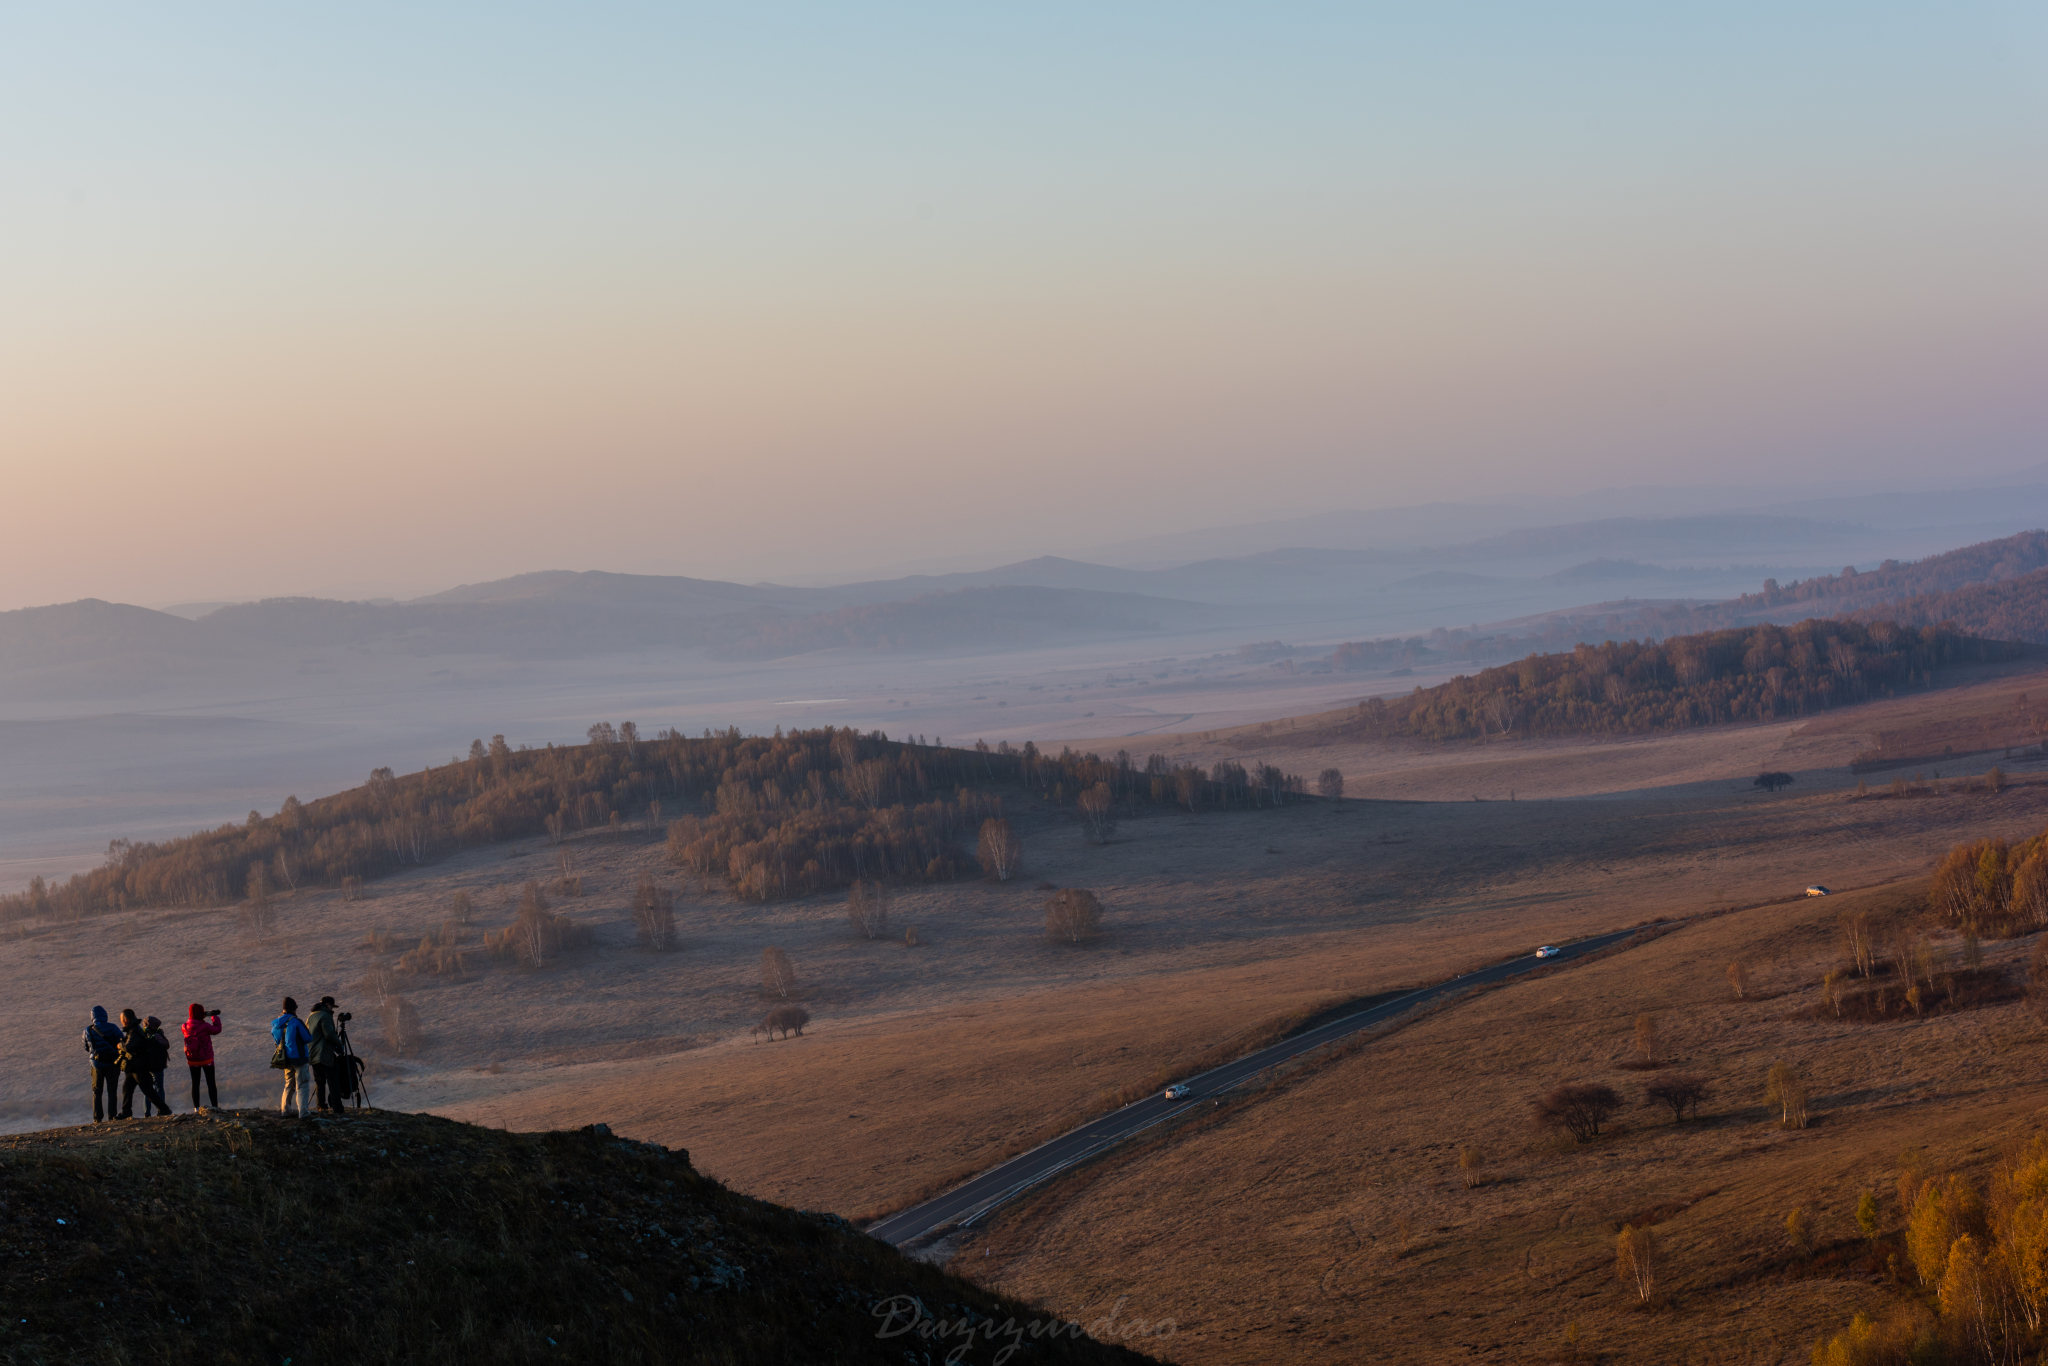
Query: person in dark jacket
160	1056
102	1049
327	1056
289	1033
200	1027
139	1068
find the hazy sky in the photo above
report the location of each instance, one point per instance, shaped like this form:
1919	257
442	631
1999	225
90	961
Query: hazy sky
380	298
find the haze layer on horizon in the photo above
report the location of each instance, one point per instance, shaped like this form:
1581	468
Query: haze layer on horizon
383	300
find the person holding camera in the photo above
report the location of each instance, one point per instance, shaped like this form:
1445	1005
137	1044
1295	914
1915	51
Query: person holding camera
328	1060
199	1028
293	1041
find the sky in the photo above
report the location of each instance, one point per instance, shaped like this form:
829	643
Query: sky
380	299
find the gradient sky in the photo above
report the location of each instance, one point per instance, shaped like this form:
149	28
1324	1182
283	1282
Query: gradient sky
382	298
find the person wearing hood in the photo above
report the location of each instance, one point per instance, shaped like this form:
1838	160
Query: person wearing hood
294	1044
327	1056
102	1047
199	1028
138	1063
159	1058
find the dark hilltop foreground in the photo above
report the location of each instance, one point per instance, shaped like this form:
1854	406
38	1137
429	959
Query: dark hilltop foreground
244	1237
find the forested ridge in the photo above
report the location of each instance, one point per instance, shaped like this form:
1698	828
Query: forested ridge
775	816
1755	673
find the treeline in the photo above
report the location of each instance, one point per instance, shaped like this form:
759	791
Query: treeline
761	811
1757	673
1986	563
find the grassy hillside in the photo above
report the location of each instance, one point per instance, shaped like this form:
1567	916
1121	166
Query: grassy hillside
1332	1220
243	1237
784	816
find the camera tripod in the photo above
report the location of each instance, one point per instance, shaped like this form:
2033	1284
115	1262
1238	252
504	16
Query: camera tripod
353	1086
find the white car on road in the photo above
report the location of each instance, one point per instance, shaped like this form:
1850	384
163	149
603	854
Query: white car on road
1178	1091
1549	951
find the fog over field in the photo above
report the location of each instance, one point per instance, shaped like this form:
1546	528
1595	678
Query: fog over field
126	722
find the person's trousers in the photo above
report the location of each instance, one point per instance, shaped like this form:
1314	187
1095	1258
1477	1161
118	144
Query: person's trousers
298	1080
151	1094
106	1091
212	1095
328	1084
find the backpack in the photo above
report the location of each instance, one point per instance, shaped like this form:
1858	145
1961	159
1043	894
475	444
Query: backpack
156	1051
106	1043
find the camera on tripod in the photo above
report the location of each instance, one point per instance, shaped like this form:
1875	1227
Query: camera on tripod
345	1016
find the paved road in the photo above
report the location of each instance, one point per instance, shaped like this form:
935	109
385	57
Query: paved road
966	1203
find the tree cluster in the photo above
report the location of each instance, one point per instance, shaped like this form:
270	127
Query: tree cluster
1990	887
775	816
1980	1260
1755	673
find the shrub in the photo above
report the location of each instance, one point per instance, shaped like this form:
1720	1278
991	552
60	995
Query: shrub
1738	977
1470	1160
1798	1231
1330	784
1577	1107
787	1019
1868	1221
1072	914
1683	1092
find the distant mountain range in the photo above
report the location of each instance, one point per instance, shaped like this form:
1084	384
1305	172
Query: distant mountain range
563	614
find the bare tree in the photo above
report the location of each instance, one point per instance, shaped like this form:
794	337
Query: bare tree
1001	851
1470	1160
459	908
1635	1261
1738	977
1072	914
869	783
1646	1039
257	913
1577	1107
1683	1092
654	915
1098	807
1784	1089
283	864
867	909
777	975
1330	783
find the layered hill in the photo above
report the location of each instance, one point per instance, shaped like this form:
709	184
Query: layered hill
246	1237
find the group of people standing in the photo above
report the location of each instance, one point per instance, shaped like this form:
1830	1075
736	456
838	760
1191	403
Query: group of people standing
314	1057
319	1071
137	1050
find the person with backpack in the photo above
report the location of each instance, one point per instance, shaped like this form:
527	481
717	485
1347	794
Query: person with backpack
199	1028
102	1047
159	1059
327	1056
137	1058
292	1056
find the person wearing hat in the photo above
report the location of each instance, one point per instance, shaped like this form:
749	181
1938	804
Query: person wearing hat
326	1055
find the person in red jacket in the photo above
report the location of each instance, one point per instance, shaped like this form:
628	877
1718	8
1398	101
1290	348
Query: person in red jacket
200	1027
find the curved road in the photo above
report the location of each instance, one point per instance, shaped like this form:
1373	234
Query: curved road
966	1203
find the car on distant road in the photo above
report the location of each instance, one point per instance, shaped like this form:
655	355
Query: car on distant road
1817	890
1178	1091
1549	951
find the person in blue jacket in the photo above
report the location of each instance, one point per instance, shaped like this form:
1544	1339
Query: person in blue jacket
290	1034
102	1043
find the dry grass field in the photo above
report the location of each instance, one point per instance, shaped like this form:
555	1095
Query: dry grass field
1272	1231
922	1063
